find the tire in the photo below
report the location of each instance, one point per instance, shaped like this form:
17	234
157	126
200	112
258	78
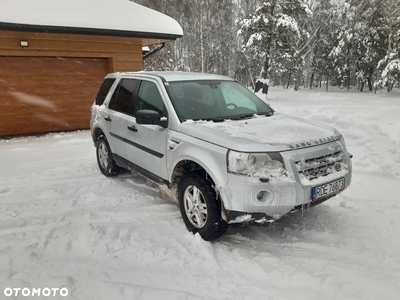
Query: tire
105	159
200	209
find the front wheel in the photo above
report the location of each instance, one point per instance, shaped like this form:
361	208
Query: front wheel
200	209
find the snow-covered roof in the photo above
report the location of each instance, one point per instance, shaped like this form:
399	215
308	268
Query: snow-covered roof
94	17
171	76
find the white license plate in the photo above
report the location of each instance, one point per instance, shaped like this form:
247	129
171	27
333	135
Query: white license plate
327	189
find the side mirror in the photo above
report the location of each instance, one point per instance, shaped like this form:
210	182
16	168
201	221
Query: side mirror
150	117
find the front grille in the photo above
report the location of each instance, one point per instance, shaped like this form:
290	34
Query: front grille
314	168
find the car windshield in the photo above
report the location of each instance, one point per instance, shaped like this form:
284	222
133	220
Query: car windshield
215	100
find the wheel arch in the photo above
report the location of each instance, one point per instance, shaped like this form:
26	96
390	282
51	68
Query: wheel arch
96	133
192	164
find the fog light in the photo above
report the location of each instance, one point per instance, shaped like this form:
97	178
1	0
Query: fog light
260	195
264	196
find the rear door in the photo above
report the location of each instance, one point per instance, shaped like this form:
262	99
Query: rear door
119	116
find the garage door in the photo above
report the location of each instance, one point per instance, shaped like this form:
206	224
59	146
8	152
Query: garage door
47	94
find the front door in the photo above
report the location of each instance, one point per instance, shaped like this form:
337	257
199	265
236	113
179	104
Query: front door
146	144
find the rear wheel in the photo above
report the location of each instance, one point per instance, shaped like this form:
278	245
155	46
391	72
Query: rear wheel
200	209
105	160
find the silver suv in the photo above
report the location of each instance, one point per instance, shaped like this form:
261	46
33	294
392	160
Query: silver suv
224	155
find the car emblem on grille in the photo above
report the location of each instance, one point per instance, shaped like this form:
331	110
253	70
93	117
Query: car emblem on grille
338	166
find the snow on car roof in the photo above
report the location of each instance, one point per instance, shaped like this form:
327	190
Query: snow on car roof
98	17
173	75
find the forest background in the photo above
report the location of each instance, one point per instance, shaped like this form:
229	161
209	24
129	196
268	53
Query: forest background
293	43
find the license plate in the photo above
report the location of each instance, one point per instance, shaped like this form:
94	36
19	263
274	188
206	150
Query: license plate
327	189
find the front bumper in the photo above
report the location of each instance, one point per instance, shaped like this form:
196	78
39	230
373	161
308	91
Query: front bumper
255	199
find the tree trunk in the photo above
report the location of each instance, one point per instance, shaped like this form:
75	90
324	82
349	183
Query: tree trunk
327	81
265	69
297	81
203	63
348	79
312	80
250	74
362	85
390	84
305	81
369	83
348	65
288	80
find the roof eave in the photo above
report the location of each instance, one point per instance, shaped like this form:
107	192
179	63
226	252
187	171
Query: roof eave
86	31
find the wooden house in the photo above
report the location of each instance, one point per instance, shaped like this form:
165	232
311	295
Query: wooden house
54	55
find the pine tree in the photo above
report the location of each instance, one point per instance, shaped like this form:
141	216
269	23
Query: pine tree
270	35
389	65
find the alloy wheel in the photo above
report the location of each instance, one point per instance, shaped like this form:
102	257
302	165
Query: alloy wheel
195	206
103	155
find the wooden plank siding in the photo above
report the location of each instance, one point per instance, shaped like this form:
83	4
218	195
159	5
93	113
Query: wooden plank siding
125	53
51	85
43	94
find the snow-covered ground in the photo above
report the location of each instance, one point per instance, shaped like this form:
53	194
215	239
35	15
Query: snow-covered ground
63	224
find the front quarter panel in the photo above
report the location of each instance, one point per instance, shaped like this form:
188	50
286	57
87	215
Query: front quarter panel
209	156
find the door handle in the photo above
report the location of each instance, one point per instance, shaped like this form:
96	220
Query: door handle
132	128
108	119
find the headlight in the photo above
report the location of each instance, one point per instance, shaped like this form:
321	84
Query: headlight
255	164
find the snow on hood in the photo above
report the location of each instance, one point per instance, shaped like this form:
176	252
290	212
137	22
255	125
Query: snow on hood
260	133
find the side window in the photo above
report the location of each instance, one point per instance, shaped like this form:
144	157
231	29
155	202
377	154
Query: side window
104	89
124	96
149	98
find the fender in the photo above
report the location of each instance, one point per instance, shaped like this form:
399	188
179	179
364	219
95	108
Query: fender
210	157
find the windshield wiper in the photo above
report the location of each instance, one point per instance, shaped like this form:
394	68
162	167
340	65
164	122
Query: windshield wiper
210	119
241	117
268	114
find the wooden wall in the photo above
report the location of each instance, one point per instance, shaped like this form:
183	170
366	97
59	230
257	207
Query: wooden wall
124	54
41	94
51	84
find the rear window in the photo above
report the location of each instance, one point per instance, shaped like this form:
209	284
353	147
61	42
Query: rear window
124	96
105	88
